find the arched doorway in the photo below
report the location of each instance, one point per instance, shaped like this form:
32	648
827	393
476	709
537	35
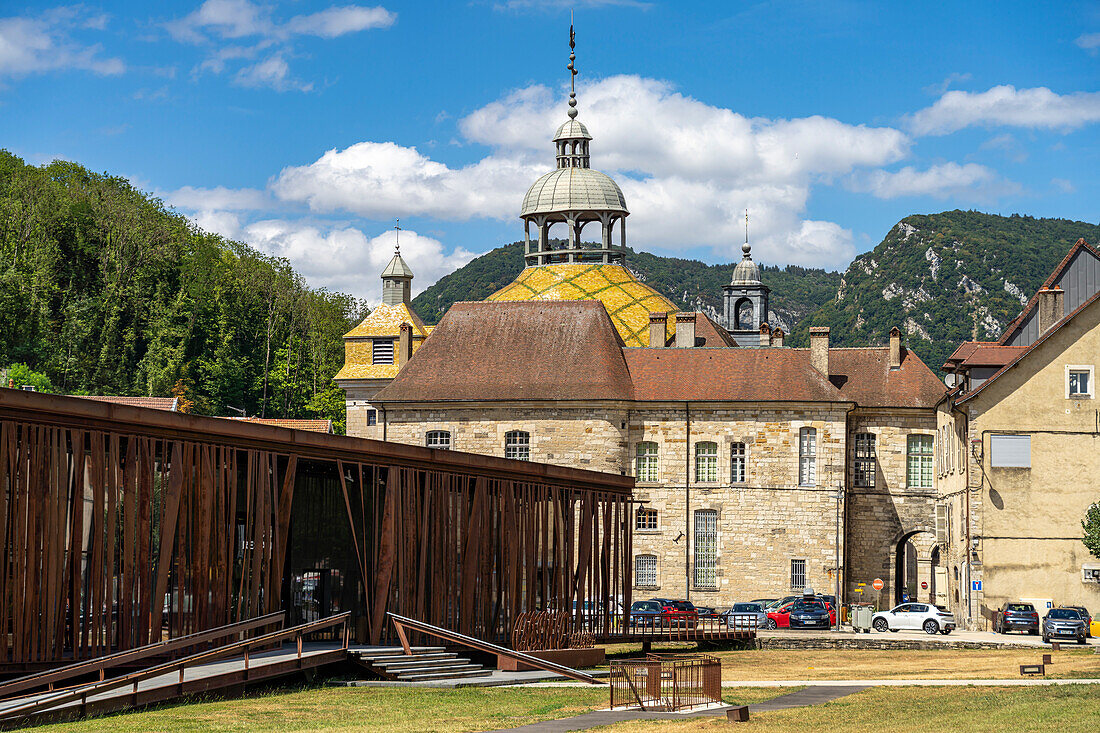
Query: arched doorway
913	563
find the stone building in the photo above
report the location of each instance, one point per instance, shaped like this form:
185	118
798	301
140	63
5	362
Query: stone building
1020	453
763	469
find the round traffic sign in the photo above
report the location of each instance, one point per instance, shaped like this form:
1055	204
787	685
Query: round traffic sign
877	584
924	585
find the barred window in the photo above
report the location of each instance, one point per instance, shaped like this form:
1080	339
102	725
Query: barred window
807	457
645	571
645	464
864	463
439	439
706	548
738	461
382	351
517	445
706	462
920	461
798	575
645	519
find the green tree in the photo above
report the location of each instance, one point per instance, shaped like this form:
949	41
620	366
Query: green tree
1091	525
21	375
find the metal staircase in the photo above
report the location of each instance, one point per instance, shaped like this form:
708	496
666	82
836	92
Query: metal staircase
423	664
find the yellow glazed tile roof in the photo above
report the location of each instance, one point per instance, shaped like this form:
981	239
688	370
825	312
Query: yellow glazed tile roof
386	320
627	300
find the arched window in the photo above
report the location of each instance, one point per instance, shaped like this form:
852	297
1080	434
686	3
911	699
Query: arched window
645	463
517	445
645	571
438	439
706	548
738	463
706	462
807	457
743	314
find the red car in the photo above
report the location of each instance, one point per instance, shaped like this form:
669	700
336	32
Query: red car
677	613
780	618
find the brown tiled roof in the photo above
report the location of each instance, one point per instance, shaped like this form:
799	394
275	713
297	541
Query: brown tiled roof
707	332
151	403
1028	349
1055	275
963	350
313	426
996	356
864	376
723	374
520	350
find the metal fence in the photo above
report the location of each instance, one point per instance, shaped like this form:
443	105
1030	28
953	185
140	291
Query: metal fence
666	682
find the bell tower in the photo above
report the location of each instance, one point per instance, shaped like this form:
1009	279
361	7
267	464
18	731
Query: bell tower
745	299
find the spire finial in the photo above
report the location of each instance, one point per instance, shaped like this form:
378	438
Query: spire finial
397	238
745	247
572	70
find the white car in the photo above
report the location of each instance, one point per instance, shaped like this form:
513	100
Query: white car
914	616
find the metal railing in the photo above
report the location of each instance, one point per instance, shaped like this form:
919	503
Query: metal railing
82	693
666	682
51	677
688	627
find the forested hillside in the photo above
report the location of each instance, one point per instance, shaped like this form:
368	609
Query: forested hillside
107	292
796	291
944	278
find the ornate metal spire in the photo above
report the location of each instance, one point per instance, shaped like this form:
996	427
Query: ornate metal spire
745	247
572	70
397	237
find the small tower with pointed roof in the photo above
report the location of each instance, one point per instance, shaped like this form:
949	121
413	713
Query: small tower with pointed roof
397	277
745	299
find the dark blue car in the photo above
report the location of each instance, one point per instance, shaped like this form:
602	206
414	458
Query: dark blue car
645	613
810	615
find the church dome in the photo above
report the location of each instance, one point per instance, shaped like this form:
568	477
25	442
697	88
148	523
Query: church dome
627	300
572	130
573	189
746	272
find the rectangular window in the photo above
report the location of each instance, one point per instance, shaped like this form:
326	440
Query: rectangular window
798	575
738	463
439	439
645	464
864	463
645	519
382	351
1010	451
372	417
517	445
645	571
807	457
706	462
941	524
920	461
706	548
1079	381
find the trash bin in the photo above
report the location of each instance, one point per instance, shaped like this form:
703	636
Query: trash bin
861	617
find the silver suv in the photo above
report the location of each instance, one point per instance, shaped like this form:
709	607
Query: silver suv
1061	623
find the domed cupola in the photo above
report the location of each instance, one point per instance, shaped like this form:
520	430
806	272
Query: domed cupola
745	299
574	195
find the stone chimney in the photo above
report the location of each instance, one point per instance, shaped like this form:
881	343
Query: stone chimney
405	345
657	324
685	330
895	348
777	337
1052	307
765	334
819	349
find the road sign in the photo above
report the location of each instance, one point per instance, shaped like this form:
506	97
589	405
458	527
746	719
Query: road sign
924	585
877	584
975	585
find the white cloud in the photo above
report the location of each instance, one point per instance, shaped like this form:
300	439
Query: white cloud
344	259
1089	41
1007	106
45	43
1063	185
237	20
939	181
688	169
219	198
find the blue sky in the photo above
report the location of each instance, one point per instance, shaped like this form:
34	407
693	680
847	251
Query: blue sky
306	128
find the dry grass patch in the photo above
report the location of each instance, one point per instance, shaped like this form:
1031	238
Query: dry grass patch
1064	708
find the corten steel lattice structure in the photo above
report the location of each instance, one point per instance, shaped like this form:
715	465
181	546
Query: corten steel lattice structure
121	526
666	682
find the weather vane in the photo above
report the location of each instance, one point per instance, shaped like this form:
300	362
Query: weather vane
397	237
572	70
745	246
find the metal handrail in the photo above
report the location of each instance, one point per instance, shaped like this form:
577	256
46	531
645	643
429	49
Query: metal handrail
483	646
101	664
82	693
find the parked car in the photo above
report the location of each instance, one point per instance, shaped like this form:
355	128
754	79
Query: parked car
1061	623
645	613
811	614
763	601
779	617
678	613
1085	615
914	616
780	602
1016	616
746	616
706	612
